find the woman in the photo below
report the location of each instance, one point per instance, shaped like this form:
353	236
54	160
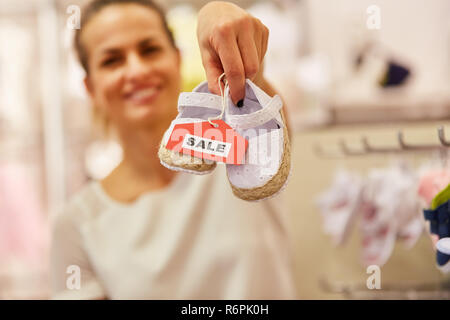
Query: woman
145	232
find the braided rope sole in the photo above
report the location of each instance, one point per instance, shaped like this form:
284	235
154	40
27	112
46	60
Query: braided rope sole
275	185
188	164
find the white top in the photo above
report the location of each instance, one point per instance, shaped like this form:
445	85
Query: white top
192	240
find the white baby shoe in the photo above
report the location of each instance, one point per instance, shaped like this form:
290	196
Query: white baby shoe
267	162
193	107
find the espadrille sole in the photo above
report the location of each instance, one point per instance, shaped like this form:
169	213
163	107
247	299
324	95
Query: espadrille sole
187	166
275	185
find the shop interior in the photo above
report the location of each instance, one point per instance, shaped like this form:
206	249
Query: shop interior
366	85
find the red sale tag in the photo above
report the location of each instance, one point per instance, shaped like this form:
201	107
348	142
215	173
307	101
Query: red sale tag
203	140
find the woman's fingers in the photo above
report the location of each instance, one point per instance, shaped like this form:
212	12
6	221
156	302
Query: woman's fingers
230	57
264	40
231	41
213	69
250	52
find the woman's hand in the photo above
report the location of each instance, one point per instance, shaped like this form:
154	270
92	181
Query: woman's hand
231	41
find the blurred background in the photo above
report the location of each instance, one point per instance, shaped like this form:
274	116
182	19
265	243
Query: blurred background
347	69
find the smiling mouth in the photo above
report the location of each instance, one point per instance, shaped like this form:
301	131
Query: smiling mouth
143	96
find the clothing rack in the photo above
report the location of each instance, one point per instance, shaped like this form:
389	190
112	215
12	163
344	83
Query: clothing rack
367	148
388	291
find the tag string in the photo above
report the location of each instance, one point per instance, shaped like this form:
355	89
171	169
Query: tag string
224	100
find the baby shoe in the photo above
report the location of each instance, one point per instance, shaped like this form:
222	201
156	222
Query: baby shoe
267	161
443	255
193	107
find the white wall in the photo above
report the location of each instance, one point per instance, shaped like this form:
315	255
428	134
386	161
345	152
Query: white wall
416	30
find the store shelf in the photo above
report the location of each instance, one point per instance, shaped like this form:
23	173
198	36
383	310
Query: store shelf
389	111
377	112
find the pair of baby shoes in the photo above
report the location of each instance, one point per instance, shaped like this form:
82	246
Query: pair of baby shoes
265	169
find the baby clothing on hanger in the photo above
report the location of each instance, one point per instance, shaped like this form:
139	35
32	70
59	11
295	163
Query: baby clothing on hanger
339	205
388	207
390	211
432	182
439	225
389	203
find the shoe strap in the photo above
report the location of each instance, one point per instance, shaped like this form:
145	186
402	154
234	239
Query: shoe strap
262	97
268	112
199	99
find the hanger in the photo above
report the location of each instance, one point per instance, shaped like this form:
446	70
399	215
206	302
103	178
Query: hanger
367	148
409	291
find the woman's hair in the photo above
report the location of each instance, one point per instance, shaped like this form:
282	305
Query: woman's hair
95	6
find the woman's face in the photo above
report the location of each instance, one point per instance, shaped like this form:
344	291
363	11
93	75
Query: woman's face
134	71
